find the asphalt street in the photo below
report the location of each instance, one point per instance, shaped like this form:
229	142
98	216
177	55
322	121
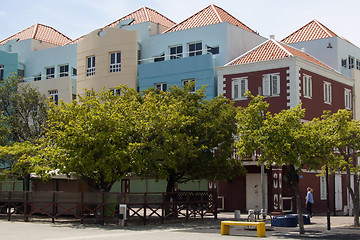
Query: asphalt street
194	230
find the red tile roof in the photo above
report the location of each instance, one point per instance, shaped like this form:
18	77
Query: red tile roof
141	15
270	50
209	15
145	14
311	31
40	32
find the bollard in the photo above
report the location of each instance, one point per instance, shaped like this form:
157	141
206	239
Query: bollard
237	214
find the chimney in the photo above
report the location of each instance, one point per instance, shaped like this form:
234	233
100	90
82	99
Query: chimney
272	37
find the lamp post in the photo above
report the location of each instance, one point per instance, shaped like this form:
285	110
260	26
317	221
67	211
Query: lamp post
327	199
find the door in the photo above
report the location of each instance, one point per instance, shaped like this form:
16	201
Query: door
338	192
254	191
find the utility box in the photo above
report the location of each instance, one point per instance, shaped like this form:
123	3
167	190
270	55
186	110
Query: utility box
122	214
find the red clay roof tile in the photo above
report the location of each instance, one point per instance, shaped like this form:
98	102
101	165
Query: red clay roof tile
145	14
40	32
209	15
311	31
270	50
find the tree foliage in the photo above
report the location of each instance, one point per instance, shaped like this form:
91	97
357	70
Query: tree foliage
24	110
91	137
184	137
23	116
284	139
344	132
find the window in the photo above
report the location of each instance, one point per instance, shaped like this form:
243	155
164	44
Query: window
50	72
322	187
307	86
161	86
176	52
239	87
160	58
37	77
195	49
347	94
343	63
54	97
115	91
351	62
212	50
357	64
64	70
90	66
1	72
271	84
327	92
187	81
115	62
74	72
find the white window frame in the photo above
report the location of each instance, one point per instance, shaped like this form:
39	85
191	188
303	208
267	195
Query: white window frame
51	74
90	68
177	54
351	62
115	66
62	72
2	69
115	91
197	51
327	93
271	84
54	96
186	81
37	77
239	86
348	99
322	187
307	86
161	86
357	64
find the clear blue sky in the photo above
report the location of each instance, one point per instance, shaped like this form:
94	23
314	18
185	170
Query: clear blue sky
75	18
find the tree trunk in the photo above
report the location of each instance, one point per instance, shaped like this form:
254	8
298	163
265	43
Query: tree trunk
170	188
294	180
354	193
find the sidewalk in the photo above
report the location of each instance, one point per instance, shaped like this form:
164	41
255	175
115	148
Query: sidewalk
207	229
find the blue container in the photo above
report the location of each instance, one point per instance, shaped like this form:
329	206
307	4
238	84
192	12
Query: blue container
306	218
284	221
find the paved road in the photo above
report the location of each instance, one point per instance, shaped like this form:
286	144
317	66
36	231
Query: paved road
194	230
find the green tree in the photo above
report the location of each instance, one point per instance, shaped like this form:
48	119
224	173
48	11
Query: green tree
24	110
24	114
184	137
91	137
283	139
345	134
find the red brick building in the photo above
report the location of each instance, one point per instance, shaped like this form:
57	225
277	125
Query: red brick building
286	77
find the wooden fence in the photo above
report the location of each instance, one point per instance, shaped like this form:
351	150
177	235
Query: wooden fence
104	207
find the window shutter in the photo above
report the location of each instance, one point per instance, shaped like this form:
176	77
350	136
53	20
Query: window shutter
275	84
266	85
235	89
243	87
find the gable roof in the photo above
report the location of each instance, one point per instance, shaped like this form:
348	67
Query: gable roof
311	31
272	49
145	14
209	15
40	32
141	15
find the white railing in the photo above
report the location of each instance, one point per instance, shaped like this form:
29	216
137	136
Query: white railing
175	55
50	76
